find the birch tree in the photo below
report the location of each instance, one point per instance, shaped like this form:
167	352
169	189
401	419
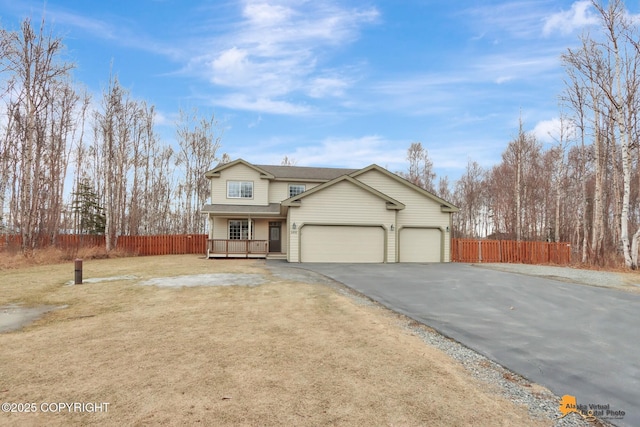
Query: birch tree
623	97
574	97
199	140
420	170
588	75
39	103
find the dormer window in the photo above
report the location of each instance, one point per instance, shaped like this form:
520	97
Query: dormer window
239	190
295	189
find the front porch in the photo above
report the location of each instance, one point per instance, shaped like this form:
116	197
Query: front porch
237	248
256	235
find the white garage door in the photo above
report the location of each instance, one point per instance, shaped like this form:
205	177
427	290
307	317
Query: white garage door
331	243
420	245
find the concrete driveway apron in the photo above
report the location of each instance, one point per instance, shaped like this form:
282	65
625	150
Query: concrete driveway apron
576	340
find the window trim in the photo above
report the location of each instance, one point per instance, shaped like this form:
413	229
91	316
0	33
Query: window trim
240	189
304	188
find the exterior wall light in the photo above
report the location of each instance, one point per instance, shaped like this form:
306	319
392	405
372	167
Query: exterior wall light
447	228
294	227
392	227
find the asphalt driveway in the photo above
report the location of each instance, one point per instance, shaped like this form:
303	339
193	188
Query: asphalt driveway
574	339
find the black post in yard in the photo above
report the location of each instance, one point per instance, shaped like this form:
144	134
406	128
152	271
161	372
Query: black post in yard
78	265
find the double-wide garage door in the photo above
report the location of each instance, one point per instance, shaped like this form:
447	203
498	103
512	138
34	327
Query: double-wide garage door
335	243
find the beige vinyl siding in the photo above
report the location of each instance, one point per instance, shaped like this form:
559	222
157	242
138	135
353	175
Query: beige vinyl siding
343	203
284	237
220	228
240	172
279	190
261	231
419	211
334	243
420	245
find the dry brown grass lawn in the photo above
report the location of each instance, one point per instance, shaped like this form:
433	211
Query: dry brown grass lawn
282	353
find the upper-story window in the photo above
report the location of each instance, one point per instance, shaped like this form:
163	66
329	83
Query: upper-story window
295	189
239	189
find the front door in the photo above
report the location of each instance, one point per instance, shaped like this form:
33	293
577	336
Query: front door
274	237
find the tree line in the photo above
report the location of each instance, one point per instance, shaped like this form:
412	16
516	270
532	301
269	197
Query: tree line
585	187
126	181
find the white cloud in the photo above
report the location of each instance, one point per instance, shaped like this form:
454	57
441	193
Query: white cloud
549	131
230	67
123	31
362	152
516	18
277	49
504	79
514	65
322	87
330	152
567	21
233	60
241	101
162	119
265	14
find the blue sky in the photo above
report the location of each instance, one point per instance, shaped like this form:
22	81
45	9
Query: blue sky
331	83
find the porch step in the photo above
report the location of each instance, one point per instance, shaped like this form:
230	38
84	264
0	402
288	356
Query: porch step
276	256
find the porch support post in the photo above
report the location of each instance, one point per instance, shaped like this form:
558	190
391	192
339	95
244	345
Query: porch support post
249	236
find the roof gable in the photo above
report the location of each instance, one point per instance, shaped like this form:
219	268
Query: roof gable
215	172
391	203
444	205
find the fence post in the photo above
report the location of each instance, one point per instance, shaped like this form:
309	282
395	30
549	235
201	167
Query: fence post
78	271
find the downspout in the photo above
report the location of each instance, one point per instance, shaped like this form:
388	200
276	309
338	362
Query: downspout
395	237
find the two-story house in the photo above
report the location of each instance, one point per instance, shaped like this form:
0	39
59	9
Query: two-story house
308	214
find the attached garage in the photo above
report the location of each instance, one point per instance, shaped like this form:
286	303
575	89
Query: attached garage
342	243
420	244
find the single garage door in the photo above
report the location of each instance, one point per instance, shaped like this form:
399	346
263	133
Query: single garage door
332	243
420	245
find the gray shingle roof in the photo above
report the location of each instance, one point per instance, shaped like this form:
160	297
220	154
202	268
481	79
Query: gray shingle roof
302	172
272	209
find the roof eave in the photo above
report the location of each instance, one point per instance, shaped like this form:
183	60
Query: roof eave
215	173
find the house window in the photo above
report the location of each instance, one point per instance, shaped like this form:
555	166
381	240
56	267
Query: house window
239	229
295	189
239	189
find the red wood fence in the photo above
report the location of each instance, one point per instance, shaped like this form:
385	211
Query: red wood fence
509	251
174	244
462	250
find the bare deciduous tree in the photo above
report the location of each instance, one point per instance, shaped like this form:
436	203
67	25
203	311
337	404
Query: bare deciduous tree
199	140
288	161
605	68
420	170
39	105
